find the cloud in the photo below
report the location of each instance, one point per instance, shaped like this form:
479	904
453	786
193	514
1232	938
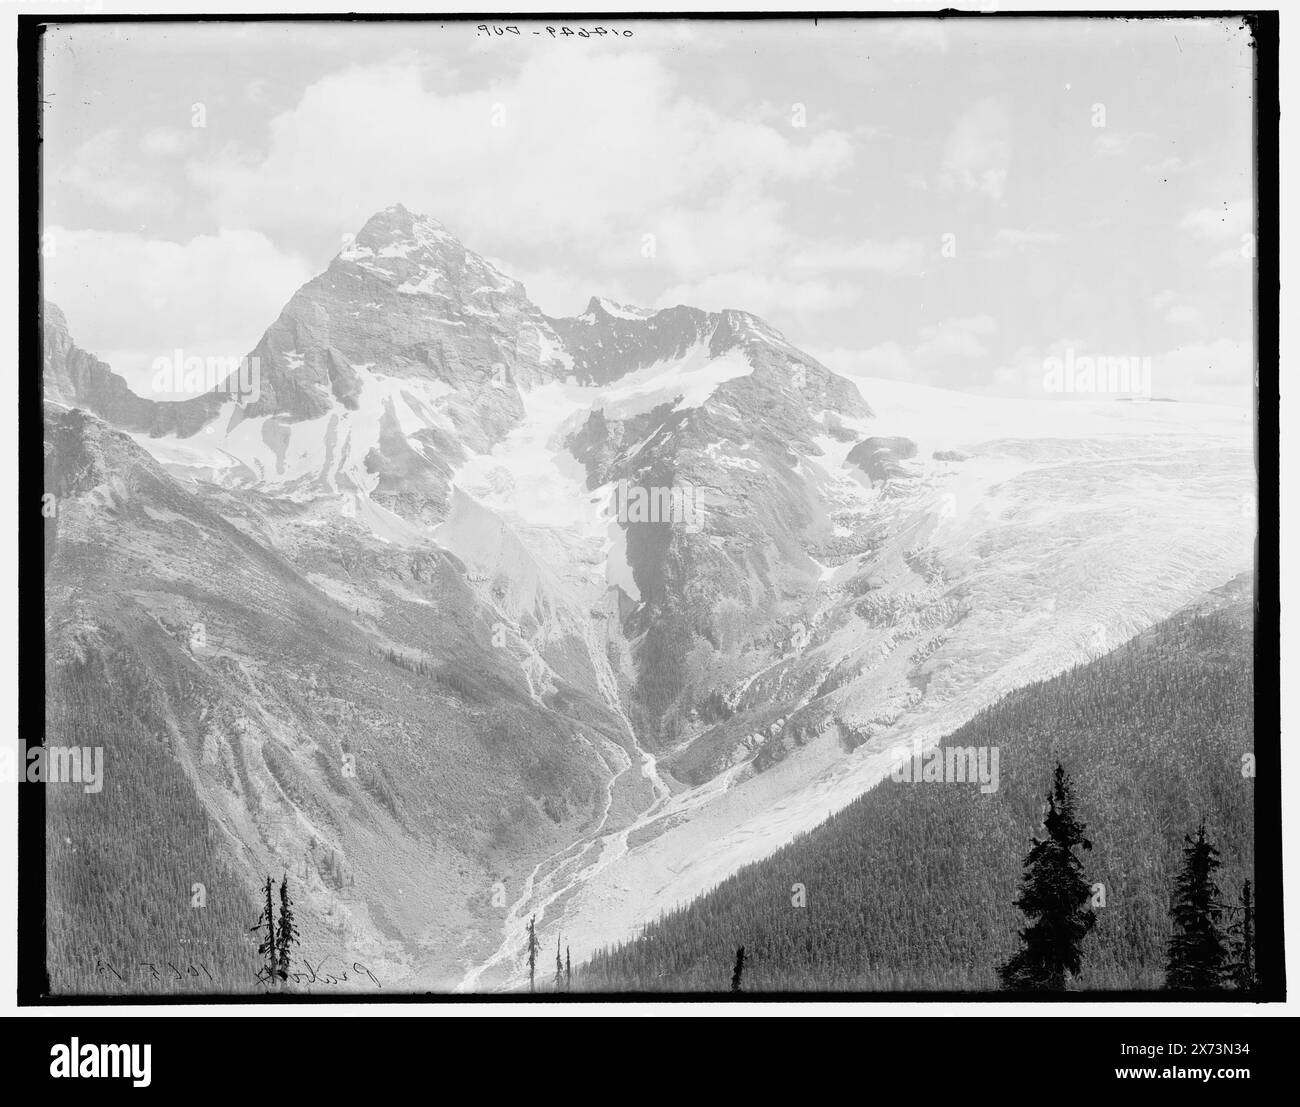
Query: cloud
978	150
693	241
568	153
586	173
101	170
1229	220
1230	226
1175	311
863	256
810	280
1241	254
207	296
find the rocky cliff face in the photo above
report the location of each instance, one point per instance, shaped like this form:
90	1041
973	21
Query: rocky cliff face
882	459
406	300
73	378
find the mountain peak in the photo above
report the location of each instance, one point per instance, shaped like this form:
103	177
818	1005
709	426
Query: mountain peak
601	306
398	224
418	255
53	315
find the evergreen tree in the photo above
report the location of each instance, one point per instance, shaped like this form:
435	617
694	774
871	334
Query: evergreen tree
1197	954
267	946
286	933
532	953
568	971
739	970
1053	896
559	966
1242	933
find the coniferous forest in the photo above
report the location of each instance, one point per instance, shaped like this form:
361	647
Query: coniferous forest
138	896
915	886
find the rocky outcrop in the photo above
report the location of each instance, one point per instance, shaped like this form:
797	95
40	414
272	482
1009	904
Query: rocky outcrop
881	458
75	379
405	299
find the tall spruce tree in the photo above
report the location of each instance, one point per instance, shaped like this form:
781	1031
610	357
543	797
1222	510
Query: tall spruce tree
267	946
739	970
1053	897
1197	952
286	932
568	971
532	953
559	966
1242	935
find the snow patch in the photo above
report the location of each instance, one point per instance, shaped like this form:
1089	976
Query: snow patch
426	285
689	380
623	311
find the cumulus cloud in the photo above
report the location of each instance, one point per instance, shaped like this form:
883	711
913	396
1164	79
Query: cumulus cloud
207	296
977	152
566	153
587	173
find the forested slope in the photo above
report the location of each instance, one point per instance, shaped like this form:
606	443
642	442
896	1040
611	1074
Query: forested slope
912	885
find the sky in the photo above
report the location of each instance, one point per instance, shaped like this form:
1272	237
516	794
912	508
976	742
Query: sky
950	202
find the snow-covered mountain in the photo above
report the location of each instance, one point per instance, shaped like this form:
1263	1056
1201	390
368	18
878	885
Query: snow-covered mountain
444	472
